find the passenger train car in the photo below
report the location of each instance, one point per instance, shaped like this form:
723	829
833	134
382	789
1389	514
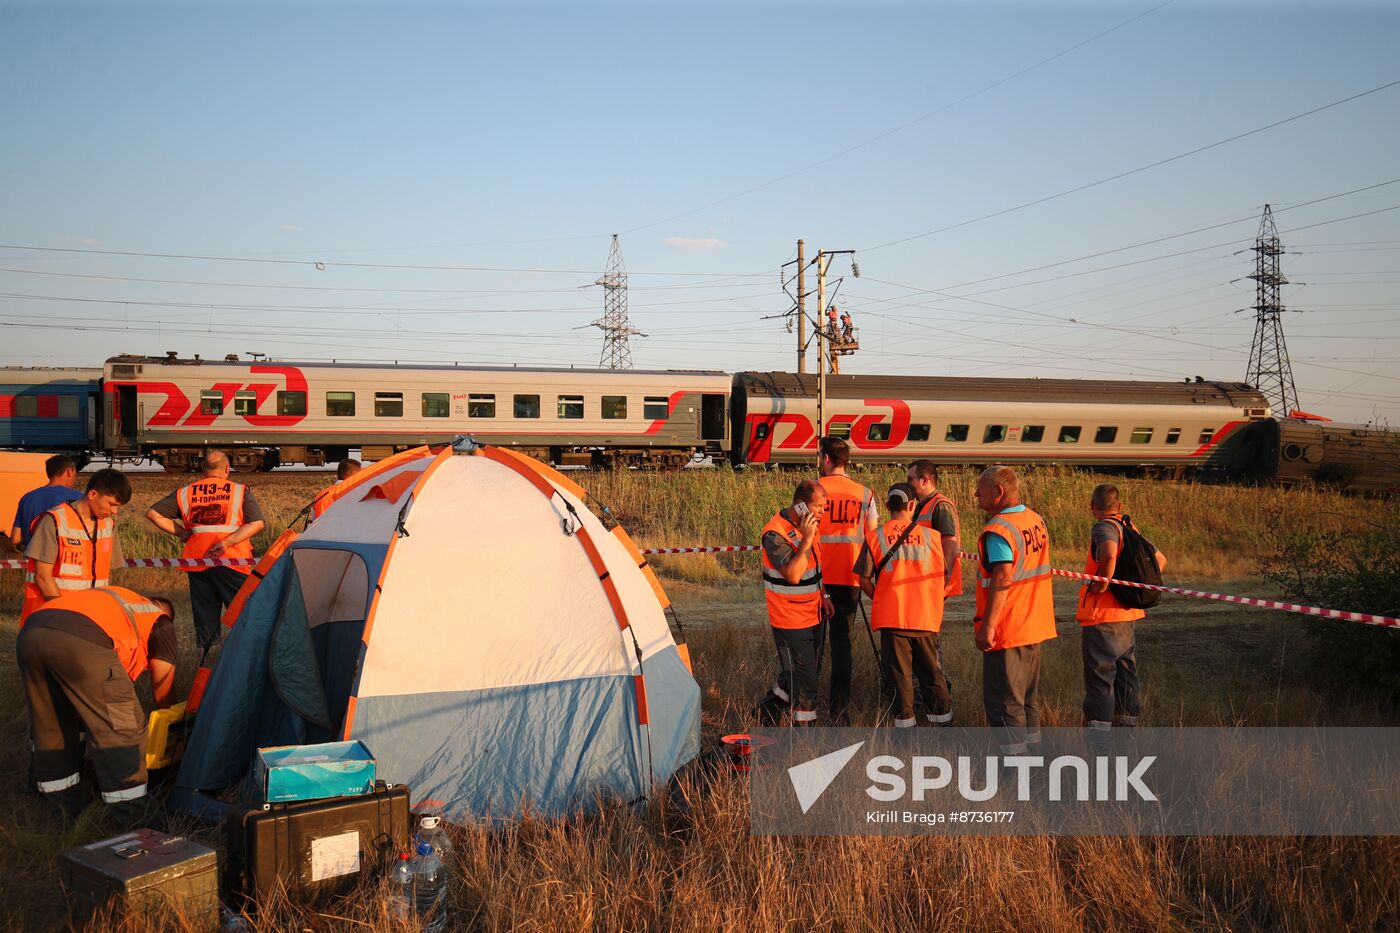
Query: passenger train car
266	414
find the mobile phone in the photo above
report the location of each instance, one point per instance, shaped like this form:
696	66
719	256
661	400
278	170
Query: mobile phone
800	509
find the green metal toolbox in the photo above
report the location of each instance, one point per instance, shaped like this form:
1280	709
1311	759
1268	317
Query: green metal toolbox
143	873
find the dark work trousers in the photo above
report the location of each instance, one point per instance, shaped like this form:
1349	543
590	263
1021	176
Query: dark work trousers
1111	687
1011	696
210	592
71	684
796	688
908	656
843	600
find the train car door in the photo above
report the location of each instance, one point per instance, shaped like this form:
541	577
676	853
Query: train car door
128	422
712	417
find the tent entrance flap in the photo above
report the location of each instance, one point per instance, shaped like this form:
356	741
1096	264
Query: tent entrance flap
316	644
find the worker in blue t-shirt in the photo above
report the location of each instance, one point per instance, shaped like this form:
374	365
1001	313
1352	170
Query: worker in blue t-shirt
63	476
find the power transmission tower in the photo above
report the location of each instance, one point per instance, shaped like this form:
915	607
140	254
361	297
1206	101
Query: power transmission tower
614	324
1269	369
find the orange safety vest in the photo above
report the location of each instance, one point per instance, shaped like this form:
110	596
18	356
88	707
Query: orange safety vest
84	559
1096	608
954	587
212	509
791	605
909	590
125	616
1028	616
843	527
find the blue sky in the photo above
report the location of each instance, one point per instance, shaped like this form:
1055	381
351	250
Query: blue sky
457	170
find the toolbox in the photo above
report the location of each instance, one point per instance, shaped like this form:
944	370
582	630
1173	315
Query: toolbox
310	772
314	848
160	878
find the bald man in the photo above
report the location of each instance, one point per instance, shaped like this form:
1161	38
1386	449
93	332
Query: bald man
1015	609
215	518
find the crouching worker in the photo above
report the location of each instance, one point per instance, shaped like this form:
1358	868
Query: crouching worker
792	589
901	569
80	656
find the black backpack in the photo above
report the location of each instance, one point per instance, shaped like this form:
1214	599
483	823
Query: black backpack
1137	563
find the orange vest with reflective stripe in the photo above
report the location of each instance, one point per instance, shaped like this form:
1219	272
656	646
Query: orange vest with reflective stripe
212	509
791	605
1028	616
909	590
925	513
843	527
84	559
125	616
1096	608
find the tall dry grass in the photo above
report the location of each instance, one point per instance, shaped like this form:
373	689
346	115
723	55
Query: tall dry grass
690	863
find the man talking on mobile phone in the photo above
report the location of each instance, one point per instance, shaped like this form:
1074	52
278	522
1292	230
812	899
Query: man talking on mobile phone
792	590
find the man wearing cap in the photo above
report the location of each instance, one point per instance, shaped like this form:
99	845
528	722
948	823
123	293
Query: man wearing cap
901	570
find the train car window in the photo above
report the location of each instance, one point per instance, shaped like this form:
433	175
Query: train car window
1141	436
340	404
614	407
1105	435
656	406
527	406
388	404
67	406
842	430
570	406
291	403
956	433
1032	434
211	402
1206	436
245	402
879	432
1069	433
26	406
994	434
1173	435
435	404
481	406
918	433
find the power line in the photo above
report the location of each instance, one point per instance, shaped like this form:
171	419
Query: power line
904	126
1141	168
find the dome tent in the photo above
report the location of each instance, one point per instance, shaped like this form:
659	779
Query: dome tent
466	616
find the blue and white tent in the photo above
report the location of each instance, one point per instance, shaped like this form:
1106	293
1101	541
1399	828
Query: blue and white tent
468	618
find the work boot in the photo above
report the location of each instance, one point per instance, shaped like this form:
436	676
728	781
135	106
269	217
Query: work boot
142	813
769	711
68	804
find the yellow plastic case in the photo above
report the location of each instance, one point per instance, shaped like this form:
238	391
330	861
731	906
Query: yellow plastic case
165	737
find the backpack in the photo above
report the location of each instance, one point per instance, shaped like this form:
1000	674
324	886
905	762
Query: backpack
1137	563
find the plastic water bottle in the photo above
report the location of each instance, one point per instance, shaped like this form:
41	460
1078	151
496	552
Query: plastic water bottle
401	887
429	889
431	831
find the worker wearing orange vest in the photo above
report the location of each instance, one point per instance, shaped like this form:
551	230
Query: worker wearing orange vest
79	656
343	471
1015	611
850	513
74	546
901	570
938	513
1108	643
792	591
217	519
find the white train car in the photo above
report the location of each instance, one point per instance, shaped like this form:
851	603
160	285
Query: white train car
1160	427
269	413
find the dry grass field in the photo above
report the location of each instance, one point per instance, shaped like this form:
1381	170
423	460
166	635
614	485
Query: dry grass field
694	866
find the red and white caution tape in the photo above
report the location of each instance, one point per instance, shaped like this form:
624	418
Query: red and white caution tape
733	548
1363	617
166	562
